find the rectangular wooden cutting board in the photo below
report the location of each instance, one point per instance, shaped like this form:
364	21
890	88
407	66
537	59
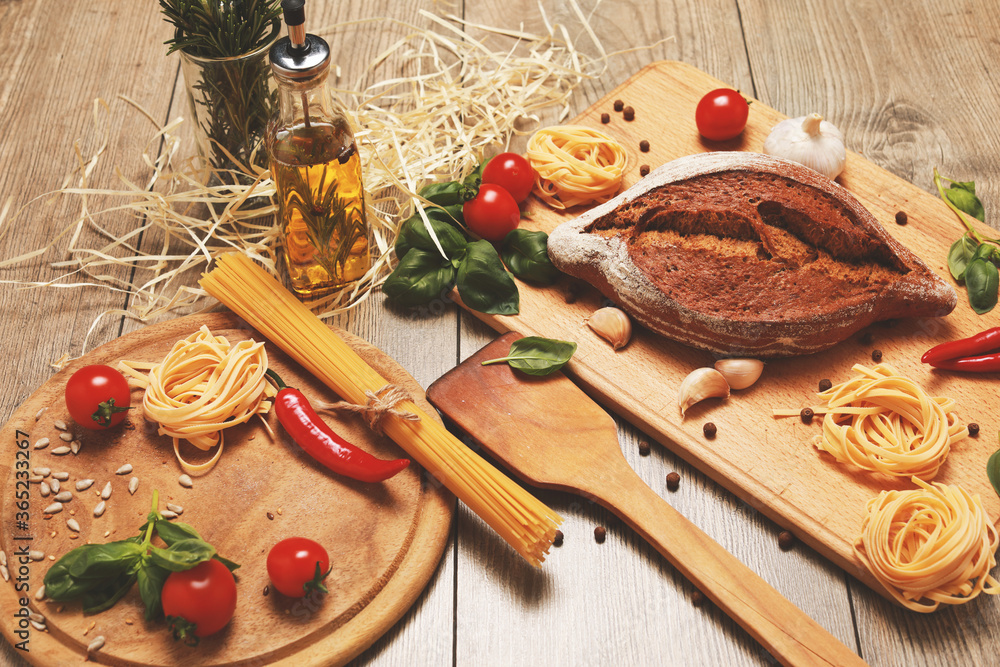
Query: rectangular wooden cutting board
770	463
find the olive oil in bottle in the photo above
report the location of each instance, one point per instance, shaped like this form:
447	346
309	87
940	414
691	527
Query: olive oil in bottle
315	167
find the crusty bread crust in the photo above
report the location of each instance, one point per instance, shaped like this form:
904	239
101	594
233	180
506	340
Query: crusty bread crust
747	254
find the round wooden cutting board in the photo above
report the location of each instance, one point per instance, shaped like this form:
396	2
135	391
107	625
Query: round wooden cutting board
385	540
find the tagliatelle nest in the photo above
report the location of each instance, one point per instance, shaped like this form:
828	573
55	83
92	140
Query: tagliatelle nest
461	99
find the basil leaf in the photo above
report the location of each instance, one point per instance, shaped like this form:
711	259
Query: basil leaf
984	251
993	470
60	585
526	254
151	579
413	234
963	196
101	561
104	597
419	278
982	281
442	194
537	356
182	555
960	255
175	531
484	284
230	565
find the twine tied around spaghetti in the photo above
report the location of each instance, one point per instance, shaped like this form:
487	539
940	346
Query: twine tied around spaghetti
379	404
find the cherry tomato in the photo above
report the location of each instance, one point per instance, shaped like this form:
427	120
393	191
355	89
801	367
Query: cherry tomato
511	172
97	396
199	601
297	566
722	114
492	214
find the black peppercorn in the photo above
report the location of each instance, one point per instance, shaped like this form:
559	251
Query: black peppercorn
619	105
709	429
643	169
643	448
806	414
628	113
605	118
825	384
673	481
973	429
557	541
876	356
697	598
600	534
785	540
900	218
644	146
867	338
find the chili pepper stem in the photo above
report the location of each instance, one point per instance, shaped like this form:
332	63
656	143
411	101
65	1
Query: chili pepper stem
277	379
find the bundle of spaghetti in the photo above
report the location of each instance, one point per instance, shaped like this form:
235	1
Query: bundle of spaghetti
575	165
881	421
929	546
524	522
201	387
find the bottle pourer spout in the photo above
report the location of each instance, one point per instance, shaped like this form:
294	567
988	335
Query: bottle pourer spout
295	19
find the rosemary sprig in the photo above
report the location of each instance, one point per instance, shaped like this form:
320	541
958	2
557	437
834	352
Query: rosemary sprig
220	28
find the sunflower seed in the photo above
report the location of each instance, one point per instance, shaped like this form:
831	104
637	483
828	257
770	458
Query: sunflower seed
36	555
75	446
4	572
63	497
96	644
42	443
66	436
73	525
185	481
167	514
84	484
38	415
99	510
54	485
36	617
3	558
61	451
43	488
40	594
61	476
54	508
133	484
60	424
44	472
175	508
38	626
106	491
124	470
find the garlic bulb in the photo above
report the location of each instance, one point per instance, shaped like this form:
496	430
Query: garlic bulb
611	324
700	384
740	373
811	141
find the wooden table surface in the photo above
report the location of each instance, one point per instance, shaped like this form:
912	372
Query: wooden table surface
913	85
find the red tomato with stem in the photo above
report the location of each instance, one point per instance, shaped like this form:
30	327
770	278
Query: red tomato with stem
722	114
492	214
97	397
297	566
511	172
200	601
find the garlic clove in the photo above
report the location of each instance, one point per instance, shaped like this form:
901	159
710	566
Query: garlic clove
700	384
811	141
740	373
611	324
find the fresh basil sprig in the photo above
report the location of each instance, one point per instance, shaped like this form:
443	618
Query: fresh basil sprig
101	574
535	355
526	254
972	259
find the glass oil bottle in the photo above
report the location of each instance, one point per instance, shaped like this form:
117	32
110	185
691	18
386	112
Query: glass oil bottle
315	167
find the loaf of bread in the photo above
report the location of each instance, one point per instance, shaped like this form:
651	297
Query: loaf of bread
747	254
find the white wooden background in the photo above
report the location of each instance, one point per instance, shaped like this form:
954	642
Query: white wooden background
912	83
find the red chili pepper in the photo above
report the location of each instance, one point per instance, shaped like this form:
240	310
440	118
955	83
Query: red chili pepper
979	353
321	443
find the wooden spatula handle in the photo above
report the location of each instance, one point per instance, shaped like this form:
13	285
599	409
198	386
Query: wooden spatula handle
786	631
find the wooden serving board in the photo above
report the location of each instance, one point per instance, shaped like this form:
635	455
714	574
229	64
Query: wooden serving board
384	540
769	463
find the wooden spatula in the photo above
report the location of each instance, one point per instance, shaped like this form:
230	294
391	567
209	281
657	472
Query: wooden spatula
552	435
